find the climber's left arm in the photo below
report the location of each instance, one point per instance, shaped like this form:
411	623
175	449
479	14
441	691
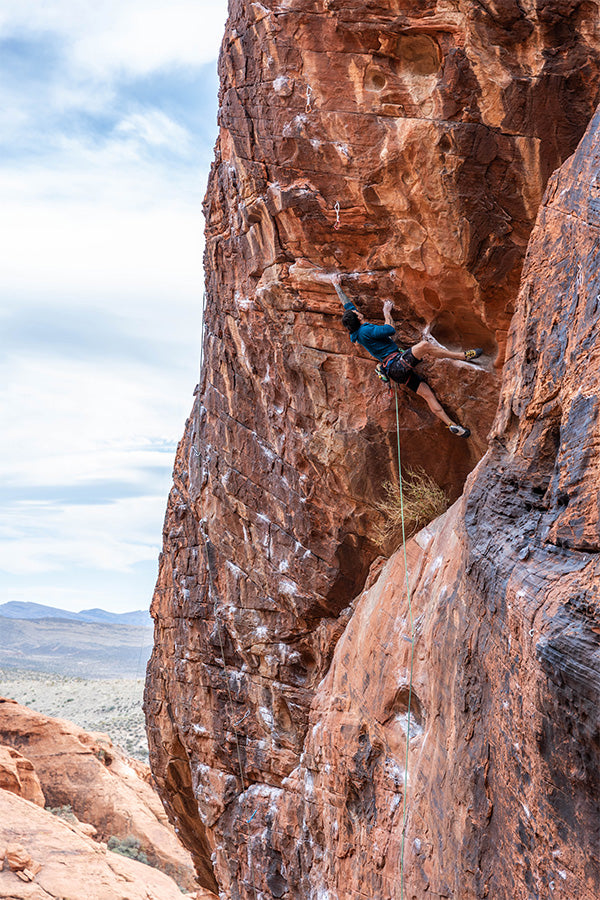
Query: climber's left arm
344	300
387	313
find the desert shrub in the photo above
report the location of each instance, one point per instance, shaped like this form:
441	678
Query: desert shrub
101	754
424	500
63	812
128	846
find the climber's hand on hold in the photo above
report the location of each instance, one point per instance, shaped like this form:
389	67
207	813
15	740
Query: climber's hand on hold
387	313
335	280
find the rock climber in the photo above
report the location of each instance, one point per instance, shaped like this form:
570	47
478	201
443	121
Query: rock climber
399	365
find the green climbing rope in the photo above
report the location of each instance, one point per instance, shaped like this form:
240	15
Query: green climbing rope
412	650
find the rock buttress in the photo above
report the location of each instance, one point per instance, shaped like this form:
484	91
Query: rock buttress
431	134
503	796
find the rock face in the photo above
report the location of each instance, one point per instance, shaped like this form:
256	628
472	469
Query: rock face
103	787
504	762
435	130
67	863
18	776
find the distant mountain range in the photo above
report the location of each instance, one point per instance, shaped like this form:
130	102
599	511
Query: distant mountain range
92	643
28	611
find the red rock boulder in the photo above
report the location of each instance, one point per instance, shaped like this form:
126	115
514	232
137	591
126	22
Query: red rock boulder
47	859
102	786
18	776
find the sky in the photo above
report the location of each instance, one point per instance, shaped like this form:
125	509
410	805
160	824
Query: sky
107	128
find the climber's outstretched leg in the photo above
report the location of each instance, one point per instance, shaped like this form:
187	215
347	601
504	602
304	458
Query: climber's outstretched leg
402	370
425	350
437	409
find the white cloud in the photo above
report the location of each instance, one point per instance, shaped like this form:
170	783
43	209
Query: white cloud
141	37
73	422
110	37
156	129
98	250
13	118
112	537
101	217
103	214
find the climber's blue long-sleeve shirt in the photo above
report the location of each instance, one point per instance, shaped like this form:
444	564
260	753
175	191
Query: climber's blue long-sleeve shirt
377	339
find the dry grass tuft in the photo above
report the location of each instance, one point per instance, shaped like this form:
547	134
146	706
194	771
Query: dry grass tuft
424	500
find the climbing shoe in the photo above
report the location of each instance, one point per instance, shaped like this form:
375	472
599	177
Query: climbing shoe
459	430
381	373
473	354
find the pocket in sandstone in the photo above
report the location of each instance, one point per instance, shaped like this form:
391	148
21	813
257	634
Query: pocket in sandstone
460	327
375	79
285	730
417	62
371	195
387	196
419	53
398	707
396	722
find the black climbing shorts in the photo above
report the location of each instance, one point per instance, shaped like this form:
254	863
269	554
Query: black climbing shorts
400	369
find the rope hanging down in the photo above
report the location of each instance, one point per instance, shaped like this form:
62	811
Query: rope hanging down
412	650
195	449
213	595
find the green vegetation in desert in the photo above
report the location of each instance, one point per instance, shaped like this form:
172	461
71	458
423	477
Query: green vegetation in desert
110	705
128	846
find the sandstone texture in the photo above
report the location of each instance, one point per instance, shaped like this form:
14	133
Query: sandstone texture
104	788
18	775
504	762
408	147
48	859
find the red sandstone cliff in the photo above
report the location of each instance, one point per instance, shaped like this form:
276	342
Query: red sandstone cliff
504	766
435	130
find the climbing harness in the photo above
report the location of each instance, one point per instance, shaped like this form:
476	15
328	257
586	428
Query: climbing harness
336	209
412	649
387	359
382	375
381	367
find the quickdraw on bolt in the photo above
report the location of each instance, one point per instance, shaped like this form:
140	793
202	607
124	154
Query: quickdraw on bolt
337	215
309	95
239	722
